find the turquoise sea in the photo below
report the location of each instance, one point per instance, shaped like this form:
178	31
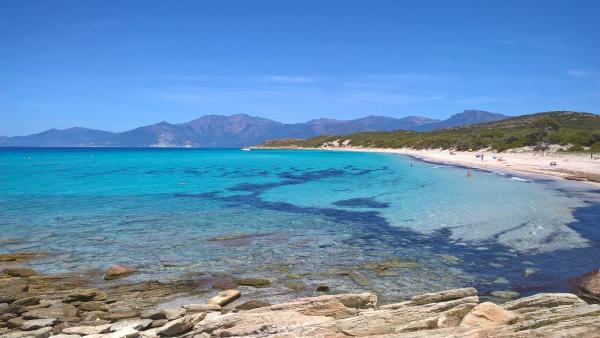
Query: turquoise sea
308	216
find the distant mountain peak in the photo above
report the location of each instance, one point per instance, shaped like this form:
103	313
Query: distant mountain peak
476	116
466	117
236	131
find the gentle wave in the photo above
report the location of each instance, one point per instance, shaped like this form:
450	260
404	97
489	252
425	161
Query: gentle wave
518	179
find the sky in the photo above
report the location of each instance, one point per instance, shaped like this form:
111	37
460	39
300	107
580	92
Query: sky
116	65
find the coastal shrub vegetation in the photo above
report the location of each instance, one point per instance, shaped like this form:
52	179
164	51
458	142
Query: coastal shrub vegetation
575	131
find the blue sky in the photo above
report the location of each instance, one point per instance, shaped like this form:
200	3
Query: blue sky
116	65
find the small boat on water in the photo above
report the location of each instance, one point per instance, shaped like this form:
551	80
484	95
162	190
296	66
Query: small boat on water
246	149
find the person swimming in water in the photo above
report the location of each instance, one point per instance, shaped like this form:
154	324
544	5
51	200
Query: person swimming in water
469	174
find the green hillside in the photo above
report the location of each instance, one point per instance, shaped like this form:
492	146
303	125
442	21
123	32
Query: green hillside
572	130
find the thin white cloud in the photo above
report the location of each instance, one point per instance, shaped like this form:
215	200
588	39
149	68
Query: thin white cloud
287	79
581	74
389	89
411	77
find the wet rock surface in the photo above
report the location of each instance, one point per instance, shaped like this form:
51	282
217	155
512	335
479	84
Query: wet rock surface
588	286
20	256
69	306
255	282
20	272
251	304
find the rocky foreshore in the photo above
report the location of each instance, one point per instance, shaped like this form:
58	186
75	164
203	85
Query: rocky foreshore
33	305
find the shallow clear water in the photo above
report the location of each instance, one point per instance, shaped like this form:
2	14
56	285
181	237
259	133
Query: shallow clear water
318	215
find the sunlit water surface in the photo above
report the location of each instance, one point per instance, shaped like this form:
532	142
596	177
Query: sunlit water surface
305	216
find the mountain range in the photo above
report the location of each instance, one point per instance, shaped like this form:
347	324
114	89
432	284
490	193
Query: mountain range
219	131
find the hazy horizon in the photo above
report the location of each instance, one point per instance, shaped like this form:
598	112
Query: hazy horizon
231	115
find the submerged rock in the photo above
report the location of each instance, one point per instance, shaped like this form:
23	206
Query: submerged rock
529	271
505	294
256	282
233	237
85	295
20	256
449	258
20	272
224	283
10	240
323	288
388	273
118	271
359	279
500	280
297	286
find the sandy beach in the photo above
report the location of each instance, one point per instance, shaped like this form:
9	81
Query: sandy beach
578	167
